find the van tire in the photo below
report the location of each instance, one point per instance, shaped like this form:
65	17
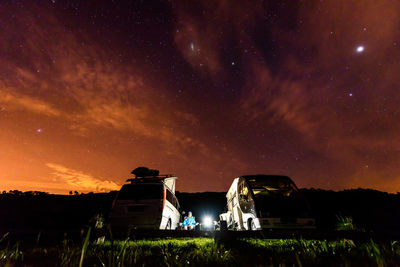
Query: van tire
168	226
223	225
251	225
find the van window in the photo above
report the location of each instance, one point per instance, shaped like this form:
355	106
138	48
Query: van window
141	191
266	186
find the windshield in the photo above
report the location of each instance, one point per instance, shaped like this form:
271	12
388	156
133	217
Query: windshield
277	197
141	191
271	186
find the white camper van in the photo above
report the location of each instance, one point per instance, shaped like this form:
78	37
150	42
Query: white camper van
147	202
258	202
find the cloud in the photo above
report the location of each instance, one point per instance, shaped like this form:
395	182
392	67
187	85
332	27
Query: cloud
10	101
299	73
309	85
77	180
285	99
83	85
98	103
204	30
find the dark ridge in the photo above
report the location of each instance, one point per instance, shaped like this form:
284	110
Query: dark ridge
370	209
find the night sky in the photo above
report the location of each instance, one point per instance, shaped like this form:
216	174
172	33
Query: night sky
206	90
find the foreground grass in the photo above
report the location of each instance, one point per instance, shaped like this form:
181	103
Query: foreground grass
205	252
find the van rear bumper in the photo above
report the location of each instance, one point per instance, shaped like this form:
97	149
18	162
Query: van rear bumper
134	223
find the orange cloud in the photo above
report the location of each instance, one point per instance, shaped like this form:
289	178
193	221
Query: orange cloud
285	98
76	180
10	101
91	100
83	86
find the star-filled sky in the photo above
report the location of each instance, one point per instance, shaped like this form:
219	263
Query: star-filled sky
206	90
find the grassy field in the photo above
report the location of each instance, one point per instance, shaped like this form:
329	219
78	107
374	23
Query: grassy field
202	252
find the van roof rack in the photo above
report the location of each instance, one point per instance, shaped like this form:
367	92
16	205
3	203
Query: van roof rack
147	178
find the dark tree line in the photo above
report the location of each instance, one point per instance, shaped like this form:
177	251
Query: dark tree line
369	209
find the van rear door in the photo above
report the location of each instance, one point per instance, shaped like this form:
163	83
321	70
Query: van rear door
139	205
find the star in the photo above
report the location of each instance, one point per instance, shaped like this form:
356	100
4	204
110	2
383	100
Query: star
39	130
192	46
360	49
350	94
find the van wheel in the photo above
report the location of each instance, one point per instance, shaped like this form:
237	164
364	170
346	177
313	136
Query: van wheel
168	226
251	225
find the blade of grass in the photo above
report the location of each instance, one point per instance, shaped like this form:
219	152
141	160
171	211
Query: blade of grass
84	247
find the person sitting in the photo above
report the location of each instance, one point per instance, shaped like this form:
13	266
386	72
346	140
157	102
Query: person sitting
189	223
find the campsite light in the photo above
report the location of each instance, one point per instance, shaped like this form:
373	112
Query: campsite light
207	221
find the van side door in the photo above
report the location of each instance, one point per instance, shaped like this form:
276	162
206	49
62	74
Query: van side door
246	200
